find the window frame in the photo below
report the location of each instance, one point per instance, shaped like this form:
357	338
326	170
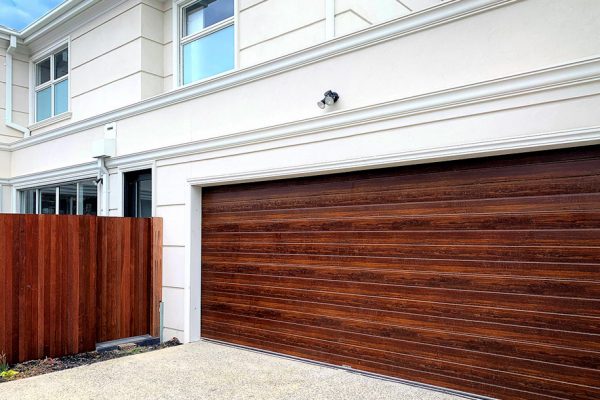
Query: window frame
126	198
56	186
179	28
49	53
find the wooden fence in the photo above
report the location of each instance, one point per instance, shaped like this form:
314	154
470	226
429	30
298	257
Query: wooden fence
69	282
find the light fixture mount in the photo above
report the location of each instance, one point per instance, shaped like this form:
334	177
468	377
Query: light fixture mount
330	98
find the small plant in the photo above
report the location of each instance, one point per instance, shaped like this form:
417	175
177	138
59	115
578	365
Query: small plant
135	350
5	371
8	374
3	363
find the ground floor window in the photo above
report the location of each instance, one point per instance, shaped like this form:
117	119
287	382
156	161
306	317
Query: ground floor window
137	193
73	198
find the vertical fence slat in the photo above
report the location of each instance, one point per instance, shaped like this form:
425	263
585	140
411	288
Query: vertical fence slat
68	282
156	262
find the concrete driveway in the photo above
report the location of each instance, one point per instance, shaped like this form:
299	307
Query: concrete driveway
207	370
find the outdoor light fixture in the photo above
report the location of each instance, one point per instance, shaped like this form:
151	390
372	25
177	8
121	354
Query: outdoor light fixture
330	98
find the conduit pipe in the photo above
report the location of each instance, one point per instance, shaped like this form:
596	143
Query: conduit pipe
9	86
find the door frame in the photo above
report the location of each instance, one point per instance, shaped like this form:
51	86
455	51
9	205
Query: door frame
193	206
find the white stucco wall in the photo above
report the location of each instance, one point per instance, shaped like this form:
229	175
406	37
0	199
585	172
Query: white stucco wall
467	51
116	57
20	86
122	51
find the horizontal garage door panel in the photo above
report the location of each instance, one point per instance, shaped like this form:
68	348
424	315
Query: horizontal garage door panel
539	327
478	275
355	333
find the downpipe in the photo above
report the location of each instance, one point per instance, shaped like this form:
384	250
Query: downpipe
104	180
9	84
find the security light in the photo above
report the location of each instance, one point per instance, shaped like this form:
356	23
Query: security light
330	98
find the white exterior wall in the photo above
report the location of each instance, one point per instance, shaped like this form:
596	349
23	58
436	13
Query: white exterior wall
354	15
519	77
20	106
448	63
121	52
5	198
273	28
5	188
116	58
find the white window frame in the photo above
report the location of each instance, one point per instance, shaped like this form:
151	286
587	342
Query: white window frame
48	52
178	15
56	186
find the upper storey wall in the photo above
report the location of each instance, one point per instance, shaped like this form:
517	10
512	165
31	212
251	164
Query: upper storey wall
20	107
519	38
272	28
116	57
122	51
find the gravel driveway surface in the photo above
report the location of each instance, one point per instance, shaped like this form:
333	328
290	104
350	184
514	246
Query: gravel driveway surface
205	370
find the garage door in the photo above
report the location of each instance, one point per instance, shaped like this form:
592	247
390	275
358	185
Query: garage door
479	275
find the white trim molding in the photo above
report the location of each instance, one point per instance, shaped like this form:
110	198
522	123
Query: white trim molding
54	18
542	141
434	16
514	89
519	85
52	120
75	172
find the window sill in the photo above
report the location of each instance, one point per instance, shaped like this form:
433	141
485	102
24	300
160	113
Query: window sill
50	121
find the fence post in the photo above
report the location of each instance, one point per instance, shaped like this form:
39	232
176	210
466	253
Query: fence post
156	227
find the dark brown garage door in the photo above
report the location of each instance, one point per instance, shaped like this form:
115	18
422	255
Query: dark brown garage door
479	275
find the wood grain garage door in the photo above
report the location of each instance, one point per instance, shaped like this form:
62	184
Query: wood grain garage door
478	275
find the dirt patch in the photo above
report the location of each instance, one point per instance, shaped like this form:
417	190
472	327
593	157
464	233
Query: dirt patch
47	365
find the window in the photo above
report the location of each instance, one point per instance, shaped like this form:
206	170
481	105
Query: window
138	193
29	201
75	198
207	39
52	85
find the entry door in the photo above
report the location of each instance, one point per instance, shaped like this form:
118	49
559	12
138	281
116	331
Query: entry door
137	194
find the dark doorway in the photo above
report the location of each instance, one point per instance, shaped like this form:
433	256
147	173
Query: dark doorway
138	193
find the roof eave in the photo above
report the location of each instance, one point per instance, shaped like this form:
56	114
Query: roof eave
53	18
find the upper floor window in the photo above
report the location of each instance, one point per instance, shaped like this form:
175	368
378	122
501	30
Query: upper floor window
52	85
207	39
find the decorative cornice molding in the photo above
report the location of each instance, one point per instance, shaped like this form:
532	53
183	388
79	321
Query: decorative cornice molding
54	18
434	16
537	81
56	175
546	79
540	141
568	138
